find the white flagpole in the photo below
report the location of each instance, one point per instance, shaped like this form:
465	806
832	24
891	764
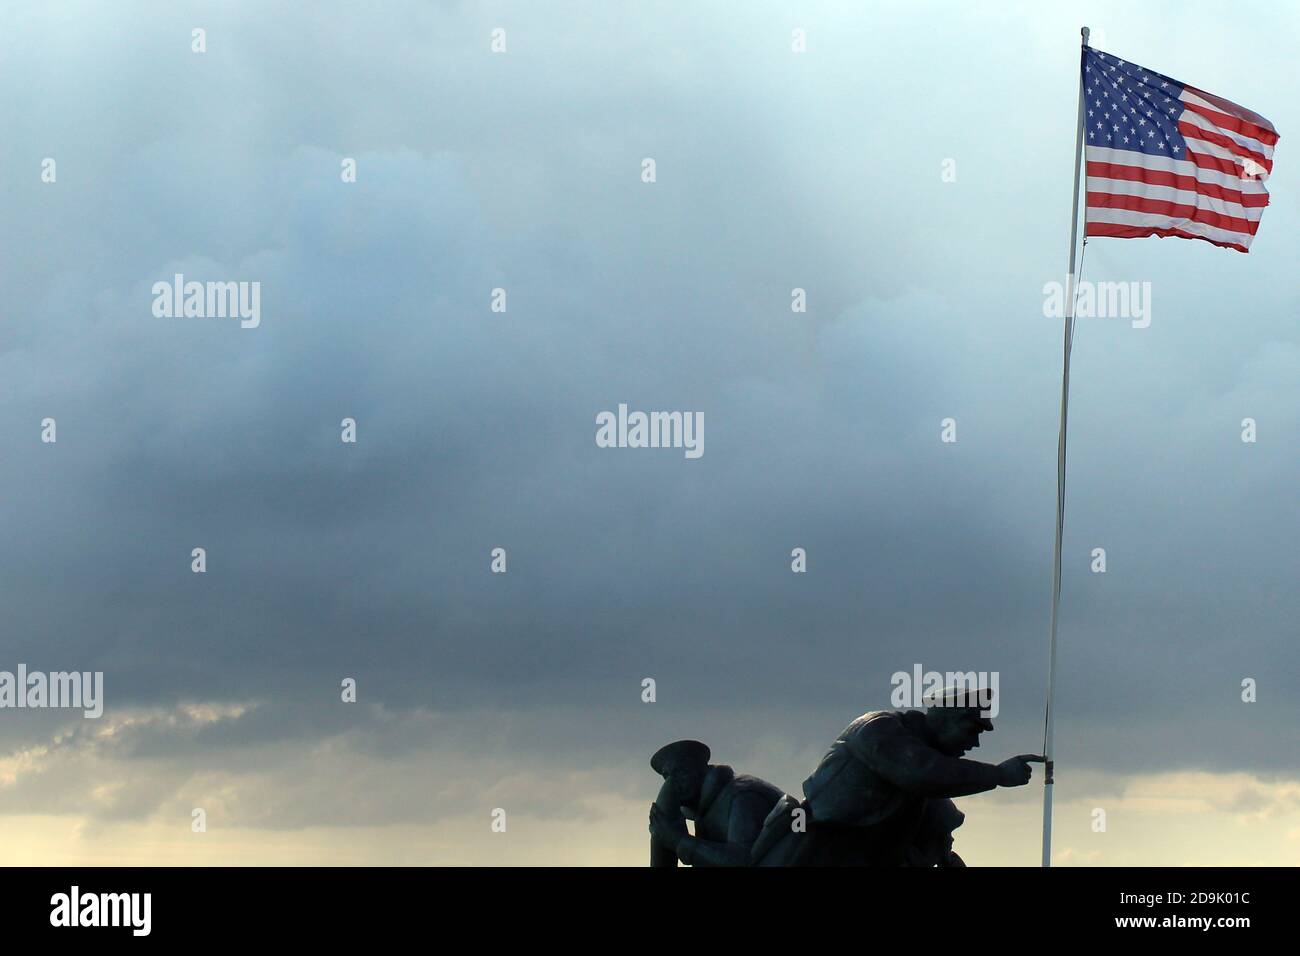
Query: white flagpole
1060	483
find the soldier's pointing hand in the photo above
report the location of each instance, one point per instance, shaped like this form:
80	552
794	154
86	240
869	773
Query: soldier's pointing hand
1015	771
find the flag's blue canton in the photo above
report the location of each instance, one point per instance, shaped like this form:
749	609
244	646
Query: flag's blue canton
1128	107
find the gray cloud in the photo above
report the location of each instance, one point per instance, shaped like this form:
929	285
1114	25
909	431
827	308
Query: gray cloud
477	429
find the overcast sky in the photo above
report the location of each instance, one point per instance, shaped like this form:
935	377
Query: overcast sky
476	429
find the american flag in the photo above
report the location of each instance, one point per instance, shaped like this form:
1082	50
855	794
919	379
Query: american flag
1167	159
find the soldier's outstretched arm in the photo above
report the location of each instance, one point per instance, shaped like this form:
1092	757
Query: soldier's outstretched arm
916	768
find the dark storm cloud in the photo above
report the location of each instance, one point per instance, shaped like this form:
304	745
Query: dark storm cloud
476	430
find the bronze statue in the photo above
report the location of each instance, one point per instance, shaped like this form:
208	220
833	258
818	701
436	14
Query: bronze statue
932	843
881	795
728	809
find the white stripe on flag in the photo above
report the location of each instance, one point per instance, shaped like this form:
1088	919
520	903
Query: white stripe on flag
1125	217
1199	121
1127	187
1179	167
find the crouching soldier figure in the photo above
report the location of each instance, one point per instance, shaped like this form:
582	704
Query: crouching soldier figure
866	803
728	809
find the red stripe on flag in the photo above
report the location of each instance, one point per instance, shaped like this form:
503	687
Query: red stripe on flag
1191	131
1206	161
1162	207
1162	177
1117	231
1234	124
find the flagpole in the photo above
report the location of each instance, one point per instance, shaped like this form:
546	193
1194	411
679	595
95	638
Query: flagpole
1049	735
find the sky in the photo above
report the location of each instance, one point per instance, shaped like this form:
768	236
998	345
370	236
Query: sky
910	171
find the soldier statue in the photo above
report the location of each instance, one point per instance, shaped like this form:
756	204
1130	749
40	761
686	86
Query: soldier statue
728	809
881	796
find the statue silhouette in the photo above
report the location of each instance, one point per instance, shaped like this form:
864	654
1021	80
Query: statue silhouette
728	809
881	796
